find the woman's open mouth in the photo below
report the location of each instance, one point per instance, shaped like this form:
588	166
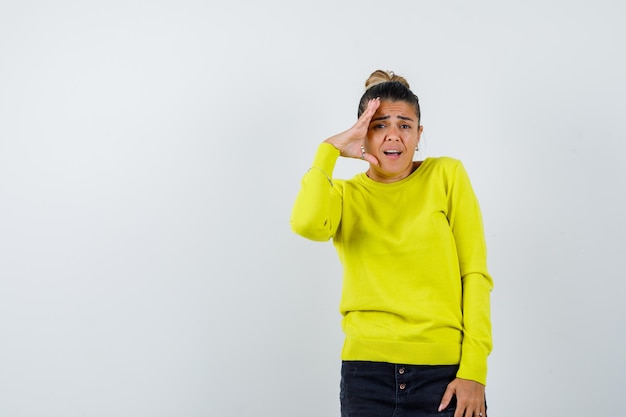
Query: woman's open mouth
393	153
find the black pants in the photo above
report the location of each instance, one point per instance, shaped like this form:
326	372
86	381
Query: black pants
377	389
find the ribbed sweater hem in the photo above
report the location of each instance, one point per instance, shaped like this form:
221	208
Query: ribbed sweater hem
401	352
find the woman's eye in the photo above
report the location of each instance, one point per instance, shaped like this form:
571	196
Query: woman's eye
405	127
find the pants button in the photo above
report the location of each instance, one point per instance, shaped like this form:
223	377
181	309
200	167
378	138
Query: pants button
401	371
402	386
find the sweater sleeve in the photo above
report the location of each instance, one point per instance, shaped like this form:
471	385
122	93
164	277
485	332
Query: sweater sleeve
316	212
466	222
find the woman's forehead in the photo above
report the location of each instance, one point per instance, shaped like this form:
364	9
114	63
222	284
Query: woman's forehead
395	108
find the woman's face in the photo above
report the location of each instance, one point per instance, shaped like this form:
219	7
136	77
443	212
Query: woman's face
392	137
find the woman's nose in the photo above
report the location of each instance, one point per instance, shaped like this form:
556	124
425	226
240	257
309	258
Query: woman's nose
392	134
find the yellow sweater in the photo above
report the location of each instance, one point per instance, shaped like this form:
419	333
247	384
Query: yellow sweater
415	285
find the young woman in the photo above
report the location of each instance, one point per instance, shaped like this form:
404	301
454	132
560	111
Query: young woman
409	234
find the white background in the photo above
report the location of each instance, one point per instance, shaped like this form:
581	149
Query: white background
150	152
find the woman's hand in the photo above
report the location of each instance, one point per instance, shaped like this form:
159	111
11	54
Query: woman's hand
350	143
470	398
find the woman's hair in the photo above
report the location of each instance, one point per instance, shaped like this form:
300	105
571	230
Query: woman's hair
391	87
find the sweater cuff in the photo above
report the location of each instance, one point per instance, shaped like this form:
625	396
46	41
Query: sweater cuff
326	158
473	365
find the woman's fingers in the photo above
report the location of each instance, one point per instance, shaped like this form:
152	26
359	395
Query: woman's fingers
358	134
350	141
366	116
470	398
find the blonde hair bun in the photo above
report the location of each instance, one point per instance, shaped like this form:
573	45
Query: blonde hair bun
381	76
